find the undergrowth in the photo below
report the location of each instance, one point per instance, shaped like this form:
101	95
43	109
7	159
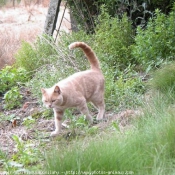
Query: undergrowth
155	44
163	79
113	40
11	76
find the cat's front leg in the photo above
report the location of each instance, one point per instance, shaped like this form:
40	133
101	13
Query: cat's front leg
58	114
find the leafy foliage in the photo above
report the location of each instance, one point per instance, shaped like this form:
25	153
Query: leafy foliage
164	5
123	92
11	76
113	40
139	11
12	98
26	154
33	56
156	43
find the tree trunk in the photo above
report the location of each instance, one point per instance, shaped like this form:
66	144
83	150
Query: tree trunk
51	18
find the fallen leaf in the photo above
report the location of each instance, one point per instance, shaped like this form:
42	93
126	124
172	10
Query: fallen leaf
14	123
26	104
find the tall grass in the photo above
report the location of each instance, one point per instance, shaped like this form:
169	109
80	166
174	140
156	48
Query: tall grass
148	148
164	78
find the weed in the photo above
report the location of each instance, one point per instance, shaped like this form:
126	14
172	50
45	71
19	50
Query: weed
47	113
33	56
26	154
11	76
163	79
28	121
124	90
115	125
113	40
155	44
12	98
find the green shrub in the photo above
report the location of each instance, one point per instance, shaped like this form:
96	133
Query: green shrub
163	79
12	98
124	91
31	57
11	76
156	43
113	38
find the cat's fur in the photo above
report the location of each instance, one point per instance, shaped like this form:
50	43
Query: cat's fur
77	90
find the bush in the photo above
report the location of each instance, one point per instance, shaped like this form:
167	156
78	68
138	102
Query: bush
11	76
156	43
113	38
31	57
12	98
124	91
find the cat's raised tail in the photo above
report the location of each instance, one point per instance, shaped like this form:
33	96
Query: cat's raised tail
89	54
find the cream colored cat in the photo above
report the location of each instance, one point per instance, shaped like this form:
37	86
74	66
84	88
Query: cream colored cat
77	90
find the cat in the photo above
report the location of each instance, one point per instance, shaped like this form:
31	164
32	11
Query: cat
77	90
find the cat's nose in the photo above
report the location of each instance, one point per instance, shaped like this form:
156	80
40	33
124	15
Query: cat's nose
50	106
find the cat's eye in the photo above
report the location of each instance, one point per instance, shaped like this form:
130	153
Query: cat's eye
53	101
45	101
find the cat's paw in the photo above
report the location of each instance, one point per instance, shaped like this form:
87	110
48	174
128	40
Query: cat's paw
96	120
54	133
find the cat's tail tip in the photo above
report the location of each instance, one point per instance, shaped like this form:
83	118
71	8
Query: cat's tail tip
76	44
70	47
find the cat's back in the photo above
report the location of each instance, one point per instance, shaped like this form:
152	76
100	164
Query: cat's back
83	77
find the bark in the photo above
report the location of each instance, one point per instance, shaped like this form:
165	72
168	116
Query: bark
51	18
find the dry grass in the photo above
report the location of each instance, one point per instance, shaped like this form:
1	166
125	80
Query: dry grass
24	22
10	3
10	41
18	24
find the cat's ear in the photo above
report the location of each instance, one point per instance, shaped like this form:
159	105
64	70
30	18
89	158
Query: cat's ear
57	90
43	90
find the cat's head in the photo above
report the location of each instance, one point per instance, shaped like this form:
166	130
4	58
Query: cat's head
52	97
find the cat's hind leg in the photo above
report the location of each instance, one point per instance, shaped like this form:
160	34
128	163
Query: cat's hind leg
84	110
100	105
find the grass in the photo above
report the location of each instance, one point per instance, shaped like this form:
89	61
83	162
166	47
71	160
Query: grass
146	149
165	83
26	3
15	30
